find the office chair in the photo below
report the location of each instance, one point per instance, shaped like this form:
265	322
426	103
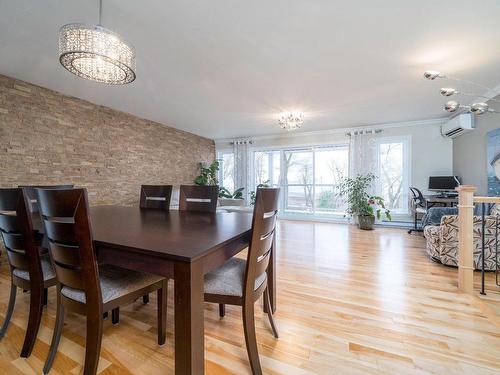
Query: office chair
418	205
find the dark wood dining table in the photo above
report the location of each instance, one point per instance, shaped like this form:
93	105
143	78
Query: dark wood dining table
179	245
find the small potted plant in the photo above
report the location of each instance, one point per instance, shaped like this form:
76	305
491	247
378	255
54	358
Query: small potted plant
226	198
361	205
253	194
208	174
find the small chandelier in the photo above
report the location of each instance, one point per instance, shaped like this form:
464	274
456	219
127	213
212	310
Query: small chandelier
96	53
291	120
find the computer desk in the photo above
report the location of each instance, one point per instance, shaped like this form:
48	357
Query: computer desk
440	199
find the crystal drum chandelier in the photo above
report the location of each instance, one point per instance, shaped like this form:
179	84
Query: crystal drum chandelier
96	53
291	120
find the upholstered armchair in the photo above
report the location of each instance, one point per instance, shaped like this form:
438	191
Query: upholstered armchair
442	241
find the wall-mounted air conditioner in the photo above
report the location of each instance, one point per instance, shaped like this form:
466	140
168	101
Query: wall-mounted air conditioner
458	125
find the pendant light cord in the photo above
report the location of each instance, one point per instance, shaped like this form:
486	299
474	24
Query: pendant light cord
100	12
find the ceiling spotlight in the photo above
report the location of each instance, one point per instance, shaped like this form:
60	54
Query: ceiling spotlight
448	91
291	120
480	108
452	106
432	75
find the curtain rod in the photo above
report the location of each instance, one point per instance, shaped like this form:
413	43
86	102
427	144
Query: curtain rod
241	142
364	132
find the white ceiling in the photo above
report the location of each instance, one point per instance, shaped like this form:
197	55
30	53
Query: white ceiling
225	68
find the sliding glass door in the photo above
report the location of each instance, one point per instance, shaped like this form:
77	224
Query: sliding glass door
267	168
307	176
298	181
331	165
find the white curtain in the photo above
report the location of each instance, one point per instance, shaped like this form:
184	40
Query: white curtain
363	153
242	166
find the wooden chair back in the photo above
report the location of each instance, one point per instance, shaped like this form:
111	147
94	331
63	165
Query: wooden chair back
156	196
16	227
198	198
65	216
263	235
31	193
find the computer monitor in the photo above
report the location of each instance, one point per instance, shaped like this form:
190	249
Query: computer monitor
443	183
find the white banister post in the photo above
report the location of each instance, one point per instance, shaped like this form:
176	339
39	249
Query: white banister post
465	238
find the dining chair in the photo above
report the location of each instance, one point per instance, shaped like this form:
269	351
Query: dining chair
83	286
242	282
29	270
31	193
198	198
156	196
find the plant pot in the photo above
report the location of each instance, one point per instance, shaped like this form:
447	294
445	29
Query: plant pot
231	202
366	222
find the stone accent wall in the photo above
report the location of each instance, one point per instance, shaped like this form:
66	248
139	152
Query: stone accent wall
50	138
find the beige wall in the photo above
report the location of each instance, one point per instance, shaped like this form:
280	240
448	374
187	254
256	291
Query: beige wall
469	151
49	138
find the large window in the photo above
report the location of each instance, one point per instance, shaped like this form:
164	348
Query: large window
308	177
267	167
298	182
331	165
393	172
226	170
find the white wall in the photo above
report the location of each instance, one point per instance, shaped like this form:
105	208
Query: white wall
431	153
469	151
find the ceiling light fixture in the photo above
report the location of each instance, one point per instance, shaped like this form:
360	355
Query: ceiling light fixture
448	91
96	53
291	120
480	108
453	106
432	75
477	108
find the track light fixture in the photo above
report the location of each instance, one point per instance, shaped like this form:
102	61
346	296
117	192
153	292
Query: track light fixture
480	108
452	106
432	75
448	91
477	108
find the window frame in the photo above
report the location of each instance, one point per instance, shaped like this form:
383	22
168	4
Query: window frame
220	172
405	140
281	181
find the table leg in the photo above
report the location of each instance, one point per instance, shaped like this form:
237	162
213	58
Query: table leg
271	279
189	320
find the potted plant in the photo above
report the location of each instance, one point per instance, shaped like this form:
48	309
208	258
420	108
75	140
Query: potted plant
208	174
226	198
360	204
253	194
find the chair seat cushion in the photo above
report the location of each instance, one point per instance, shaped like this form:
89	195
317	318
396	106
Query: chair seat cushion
115	283
229	279
47	270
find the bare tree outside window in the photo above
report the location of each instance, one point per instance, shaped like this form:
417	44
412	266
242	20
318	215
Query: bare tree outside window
391	174
227	170
332	164
261	165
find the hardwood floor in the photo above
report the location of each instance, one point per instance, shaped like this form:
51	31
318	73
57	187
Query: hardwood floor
349	302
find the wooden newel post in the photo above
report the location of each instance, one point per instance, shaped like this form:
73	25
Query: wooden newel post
465	238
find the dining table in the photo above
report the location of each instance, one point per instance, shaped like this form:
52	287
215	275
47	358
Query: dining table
182	246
